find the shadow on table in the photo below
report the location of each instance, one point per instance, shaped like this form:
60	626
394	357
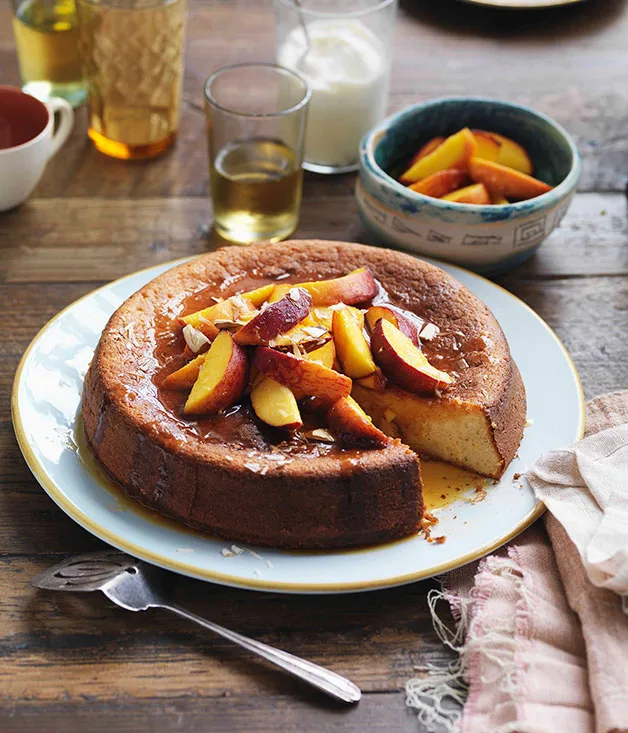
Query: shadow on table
579	19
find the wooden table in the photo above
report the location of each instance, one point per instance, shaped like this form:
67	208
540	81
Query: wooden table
80	664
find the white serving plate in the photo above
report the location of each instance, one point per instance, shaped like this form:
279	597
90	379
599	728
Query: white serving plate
45	402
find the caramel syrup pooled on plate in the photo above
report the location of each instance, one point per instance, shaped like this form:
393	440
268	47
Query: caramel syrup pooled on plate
444	484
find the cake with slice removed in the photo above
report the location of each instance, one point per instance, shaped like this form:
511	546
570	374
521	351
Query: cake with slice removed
235	392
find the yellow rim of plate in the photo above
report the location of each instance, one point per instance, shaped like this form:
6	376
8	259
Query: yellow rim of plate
58	496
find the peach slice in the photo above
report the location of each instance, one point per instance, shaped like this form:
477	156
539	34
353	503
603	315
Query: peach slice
352	348
403	323
488	145
498	199
506	181
202	324
403	363
375	381
352	426
222	378
509	153
324	355
259	295
303	375
356	287
232	310
275	404
184	378
429	147
280	291
475	194
275	318
453	153
441	183
513	155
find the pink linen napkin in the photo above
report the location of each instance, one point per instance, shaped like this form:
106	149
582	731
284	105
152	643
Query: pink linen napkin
542	650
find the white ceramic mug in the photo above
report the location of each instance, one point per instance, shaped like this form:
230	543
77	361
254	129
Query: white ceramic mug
28	141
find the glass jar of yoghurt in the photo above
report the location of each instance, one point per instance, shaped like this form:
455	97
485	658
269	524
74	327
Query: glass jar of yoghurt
343	50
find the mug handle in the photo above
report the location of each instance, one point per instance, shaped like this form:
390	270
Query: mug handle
66	122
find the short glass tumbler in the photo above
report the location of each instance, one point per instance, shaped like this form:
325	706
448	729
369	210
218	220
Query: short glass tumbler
256	116
343	51
132	55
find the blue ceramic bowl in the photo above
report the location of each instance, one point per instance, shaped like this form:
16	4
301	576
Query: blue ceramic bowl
487	239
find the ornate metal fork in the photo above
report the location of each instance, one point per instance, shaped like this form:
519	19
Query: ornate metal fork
137	586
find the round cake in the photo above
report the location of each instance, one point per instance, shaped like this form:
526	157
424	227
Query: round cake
208	460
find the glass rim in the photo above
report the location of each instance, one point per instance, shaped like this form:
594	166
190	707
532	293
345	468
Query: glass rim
299	9
307	92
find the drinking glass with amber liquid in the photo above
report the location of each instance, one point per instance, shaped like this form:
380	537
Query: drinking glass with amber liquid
256	115
132	54
46	39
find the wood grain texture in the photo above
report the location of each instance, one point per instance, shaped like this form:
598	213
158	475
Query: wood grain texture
228	714
47	240
568	62
367	638
73	664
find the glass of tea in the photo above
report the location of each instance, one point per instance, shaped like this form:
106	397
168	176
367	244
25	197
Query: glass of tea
46	39
132	54
256	115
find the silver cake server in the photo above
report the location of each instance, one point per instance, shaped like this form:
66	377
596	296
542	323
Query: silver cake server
138	586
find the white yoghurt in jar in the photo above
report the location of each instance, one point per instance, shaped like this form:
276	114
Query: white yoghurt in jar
347	70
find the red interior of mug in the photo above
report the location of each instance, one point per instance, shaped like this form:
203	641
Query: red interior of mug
22	117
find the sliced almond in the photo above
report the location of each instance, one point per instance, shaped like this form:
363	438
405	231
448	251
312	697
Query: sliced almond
194	339
320	435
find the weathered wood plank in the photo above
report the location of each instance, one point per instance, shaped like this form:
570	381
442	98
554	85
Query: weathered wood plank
590	316
376	713
108	653
81	240
441	49
591	240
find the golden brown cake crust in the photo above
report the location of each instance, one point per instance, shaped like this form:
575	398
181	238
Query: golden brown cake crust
335	500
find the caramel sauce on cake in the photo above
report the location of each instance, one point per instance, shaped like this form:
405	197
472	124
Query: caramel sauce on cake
238	424
231	474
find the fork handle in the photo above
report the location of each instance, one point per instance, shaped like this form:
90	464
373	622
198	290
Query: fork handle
324	679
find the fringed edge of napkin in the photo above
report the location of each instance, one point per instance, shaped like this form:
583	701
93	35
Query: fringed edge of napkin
439	695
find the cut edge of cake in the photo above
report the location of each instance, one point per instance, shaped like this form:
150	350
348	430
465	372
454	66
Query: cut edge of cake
483	439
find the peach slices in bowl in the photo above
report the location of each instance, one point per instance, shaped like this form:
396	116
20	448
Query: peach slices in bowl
478	182
473	167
